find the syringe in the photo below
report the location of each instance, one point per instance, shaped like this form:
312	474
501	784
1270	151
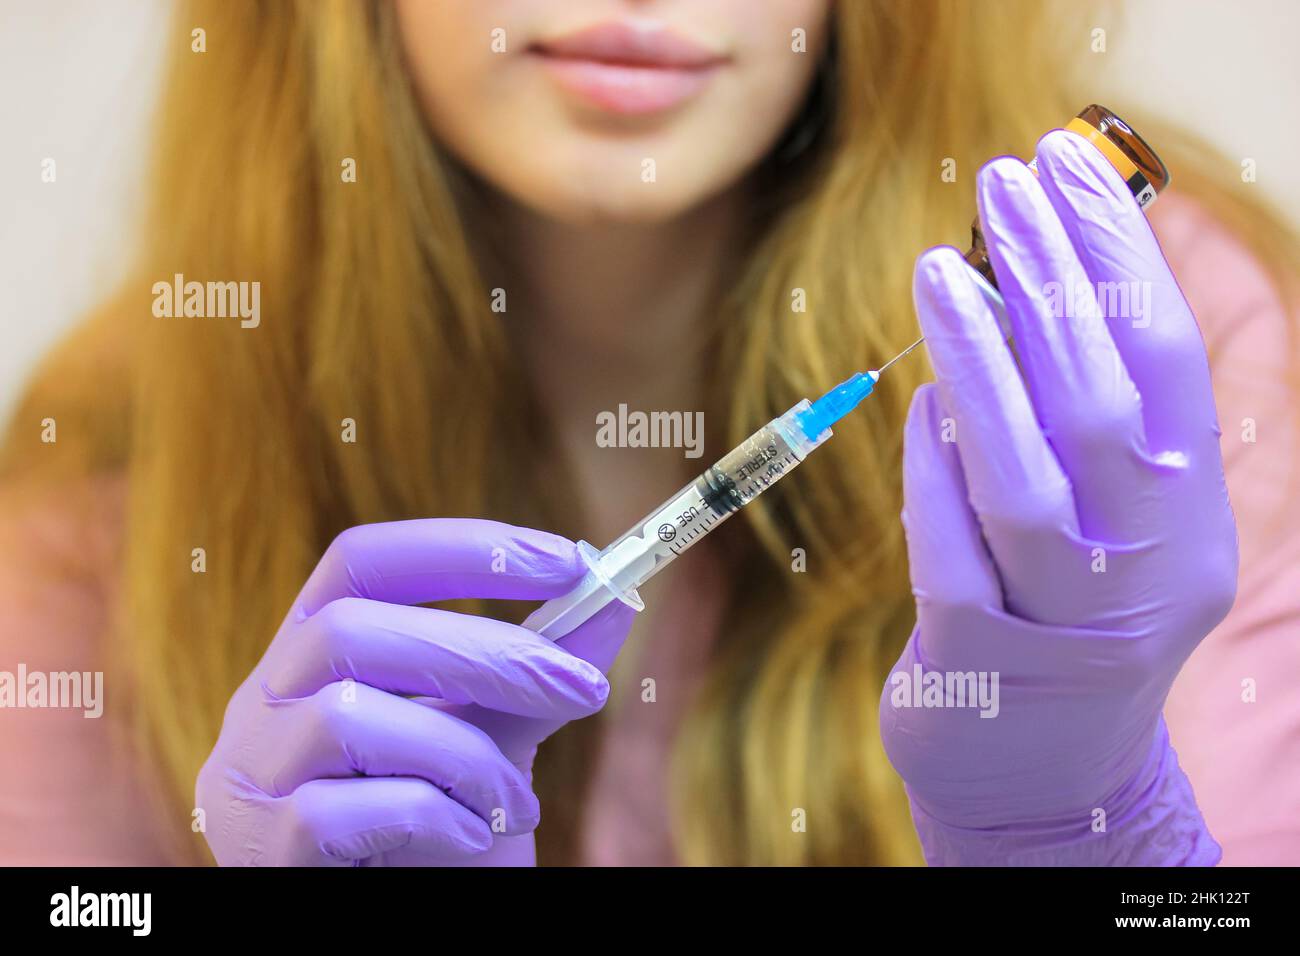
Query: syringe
736	479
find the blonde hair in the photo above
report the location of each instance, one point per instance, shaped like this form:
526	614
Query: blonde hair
373	310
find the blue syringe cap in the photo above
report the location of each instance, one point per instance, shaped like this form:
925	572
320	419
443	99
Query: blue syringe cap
837	403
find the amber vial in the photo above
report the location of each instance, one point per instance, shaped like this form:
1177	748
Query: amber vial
1128	152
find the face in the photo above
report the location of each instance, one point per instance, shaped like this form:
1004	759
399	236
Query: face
611	110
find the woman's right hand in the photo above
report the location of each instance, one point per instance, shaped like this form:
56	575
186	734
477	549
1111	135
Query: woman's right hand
377	733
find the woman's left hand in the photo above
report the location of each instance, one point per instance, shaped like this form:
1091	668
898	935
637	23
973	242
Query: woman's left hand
1069	532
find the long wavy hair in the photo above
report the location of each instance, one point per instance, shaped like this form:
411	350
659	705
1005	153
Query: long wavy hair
374	309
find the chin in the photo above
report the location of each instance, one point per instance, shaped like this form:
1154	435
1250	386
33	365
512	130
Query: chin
619	208
587	201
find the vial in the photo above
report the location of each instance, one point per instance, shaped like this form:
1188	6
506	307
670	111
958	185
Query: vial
1128	152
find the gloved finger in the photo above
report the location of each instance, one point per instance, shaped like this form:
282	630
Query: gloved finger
1086	404
343	822
346	729
597	640
1159	339
441	559
415	651
949	561
1016	486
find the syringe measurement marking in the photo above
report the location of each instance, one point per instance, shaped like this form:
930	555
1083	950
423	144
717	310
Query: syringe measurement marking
775	470
752	489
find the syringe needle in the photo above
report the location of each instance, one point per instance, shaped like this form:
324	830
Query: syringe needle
899	356
721	491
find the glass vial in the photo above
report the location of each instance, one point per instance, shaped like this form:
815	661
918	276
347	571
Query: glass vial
1128	152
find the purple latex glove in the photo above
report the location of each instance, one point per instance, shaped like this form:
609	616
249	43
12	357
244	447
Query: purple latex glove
1075	539
375	733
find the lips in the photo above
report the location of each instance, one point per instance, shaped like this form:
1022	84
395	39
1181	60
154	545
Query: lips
627	68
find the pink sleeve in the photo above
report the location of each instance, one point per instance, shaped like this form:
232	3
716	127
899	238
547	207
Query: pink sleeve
70	792
1234	714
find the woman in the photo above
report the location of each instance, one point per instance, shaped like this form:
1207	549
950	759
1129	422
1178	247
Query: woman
477	226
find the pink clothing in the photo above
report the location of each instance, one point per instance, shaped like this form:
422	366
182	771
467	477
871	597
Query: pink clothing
626	820
1243	758
70	793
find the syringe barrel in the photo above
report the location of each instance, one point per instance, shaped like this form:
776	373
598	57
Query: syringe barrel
732	482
